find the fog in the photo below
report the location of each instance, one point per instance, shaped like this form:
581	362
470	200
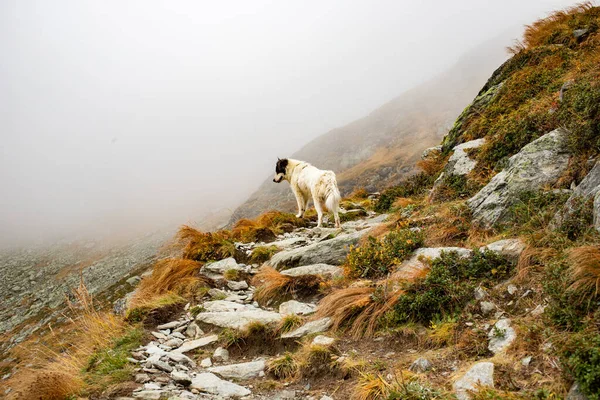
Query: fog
129	116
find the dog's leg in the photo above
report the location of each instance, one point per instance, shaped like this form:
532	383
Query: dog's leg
336	216
319	209
299	201
306	200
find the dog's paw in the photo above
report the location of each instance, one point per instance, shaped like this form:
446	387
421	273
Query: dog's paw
299	215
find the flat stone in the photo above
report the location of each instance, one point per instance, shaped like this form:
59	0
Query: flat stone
173	343
220	267
226	305
180	358
148	394
501	336
142	378
171	325
480	374
511	249
208	382
239	319
320	325
487	307
193	331
247	370
194	344
315	269
161	365
241	285
206	362
296	308
322	340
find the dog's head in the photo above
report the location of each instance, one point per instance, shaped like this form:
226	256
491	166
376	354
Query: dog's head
280	170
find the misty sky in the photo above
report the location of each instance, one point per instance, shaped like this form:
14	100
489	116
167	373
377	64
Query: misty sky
122	114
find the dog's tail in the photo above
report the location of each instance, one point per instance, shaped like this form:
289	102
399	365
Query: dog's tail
333	198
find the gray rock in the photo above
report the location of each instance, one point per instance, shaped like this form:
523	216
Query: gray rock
241	285
194	344
181	377
239	319
333	251
226	305
285	395
134	280
171	325
538	164
587	189
480	374
247	370
320	325
148	394
525	361
575	393
217	294
161	365
221	355
297	308
511	249
315	269
420	365
480	293
322	340
173	343
579	34
511	289
142	378
180	358
206	362
220	267
210	383
487	307
430	151
501	336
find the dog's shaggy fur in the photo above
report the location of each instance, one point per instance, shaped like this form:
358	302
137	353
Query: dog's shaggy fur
309	182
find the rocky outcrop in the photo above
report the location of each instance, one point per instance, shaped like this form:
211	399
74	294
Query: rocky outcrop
320	325
538	164
480	374
587	190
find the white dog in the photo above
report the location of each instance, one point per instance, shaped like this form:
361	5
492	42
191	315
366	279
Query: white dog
308	181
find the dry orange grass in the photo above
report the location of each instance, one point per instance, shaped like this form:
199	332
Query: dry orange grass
264	227
584	270
173	275
273	285
531	262
203	246
61	376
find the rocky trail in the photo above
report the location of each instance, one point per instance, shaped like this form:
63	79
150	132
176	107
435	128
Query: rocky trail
186	357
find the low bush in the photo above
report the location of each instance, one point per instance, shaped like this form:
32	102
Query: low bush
449	285
581	357
414	185
375	258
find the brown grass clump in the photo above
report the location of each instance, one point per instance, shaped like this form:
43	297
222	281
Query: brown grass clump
265	227
584	270
531	262
173	275
362	308
63	376
202	246
273	285
434	164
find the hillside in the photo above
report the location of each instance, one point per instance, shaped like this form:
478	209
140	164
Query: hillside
476	278
380	149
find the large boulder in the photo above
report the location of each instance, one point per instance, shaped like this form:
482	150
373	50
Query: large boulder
247	370
208	382
239	319
332	251
538	164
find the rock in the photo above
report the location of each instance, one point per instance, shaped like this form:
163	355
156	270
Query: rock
148	394
525	361
487	307
430	151
171	325
142	378
161	365
226	305
575	393
220	267
538	164
181	377
581	33
173	343
194	344
511	249
193	331
320	325
333	251
134	280
501	336
587	189
315	269
240	371
415	264
239	319
480	374
206	362
326	398
538	310
480	293
566	86
420	365
511	289
297	308
180	358
151	386
158	335
209	383
285	395
241	285
323	340
217	294
221	355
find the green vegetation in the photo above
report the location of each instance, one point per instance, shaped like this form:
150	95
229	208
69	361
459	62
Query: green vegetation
415	185
262	254
377	256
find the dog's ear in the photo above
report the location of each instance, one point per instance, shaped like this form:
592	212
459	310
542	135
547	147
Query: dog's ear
278	159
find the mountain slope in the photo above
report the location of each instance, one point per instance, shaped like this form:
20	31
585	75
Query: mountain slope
376	151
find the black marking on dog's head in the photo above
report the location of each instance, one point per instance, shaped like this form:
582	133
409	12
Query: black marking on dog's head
281	166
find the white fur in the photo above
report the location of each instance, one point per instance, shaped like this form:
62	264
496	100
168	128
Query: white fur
309	182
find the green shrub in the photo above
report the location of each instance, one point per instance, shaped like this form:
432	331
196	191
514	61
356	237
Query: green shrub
456	187
581	357
262	254
449	285
375	258
580	113
414	185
